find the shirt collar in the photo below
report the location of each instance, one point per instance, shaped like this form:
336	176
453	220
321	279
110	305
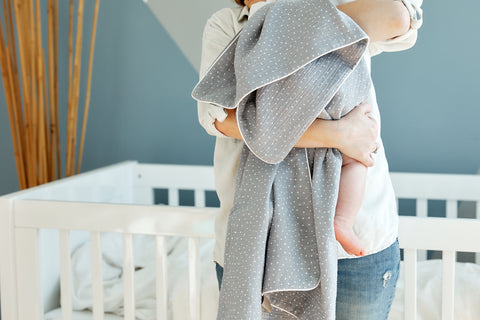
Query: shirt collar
243	13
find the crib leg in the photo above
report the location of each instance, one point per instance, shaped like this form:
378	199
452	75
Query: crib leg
410	259
30	306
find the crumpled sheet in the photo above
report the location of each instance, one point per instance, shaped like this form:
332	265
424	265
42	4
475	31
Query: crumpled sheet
293	61
144	277
429	291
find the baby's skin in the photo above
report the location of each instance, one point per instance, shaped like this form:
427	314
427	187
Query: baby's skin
350	195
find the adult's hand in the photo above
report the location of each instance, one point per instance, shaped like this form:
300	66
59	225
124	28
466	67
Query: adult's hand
358	133
354	135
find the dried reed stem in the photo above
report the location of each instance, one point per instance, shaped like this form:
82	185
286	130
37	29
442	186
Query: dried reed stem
72	137
70	81
21	19
32	52
51	133
40	103
89	84
11	95
55	84
15	82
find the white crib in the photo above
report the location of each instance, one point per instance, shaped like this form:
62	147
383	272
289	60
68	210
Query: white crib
42	226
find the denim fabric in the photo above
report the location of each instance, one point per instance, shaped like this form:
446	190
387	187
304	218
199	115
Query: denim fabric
365	287
219	270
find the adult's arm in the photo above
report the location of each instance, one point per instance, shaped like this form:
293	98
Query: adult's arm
406	40
380	19
354	135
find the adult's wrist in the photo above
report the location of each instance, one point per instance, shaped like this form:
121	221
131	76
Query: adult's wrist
321	134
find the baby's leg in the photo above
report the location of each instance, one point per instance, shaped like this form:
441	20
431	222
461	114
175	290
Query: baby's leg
350	196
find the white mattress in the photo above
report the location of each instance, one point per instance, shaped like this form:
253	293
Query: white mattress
56	314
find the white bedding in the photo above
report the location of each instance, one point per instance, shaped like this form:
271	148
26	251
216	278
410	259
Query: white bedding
144	262
429	295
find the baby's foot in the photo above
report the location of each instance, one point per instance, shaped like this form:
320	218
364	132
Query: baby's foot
347	237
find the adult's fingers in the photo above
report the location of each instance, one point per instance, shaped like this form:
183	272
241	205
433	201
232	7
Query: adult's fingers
371	160
365	107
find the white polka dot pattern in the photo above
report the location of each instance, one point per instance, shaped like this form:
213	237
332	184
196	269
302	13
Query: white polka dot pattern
294	61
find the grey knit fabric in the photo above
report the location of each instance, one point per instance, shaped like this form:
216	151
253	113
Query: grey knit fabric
293	61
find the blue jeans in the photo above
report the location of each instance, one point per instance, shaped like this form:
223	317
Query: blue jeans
365	286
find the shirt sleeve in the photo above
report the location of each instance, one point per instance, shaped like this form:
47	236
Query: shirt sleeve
406	40
216	36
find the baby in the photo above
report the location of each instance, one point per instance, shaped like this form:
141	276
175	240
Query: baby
351	191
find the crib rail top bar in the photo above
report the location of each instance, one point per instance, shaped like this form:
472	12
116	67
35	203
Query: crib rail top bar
436	186
138	219
126	165
174	176
441	234
407	185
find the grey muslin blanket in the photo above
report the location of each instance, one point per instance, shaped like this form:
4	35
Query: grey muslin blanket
293	61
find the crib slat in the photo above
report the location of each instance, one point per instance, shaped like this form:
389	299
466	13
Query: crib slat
28	279
448	285
65	274
97	278
477	255
8	269
173	197
199	198
452	207
422	208
422	211
161	282
410	260
194	277
128	277
452	213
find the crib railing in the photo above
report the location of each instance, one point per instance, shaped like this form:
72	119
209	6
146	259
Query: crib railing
74	204
452	188
32	215
448	235
443	234
175	178
54	206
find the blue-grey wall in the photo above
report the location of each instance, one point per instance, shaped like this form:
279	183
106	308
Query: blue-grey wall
428	95
141	107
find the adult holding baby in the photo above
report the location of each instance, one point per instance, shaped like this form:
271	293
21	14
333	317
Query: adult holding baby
366	285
